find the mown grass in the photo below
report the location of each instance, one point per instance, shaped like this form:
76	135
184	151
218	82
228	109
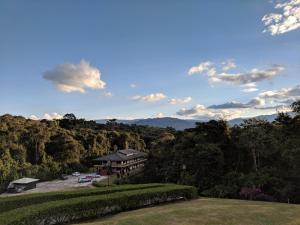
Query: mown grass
209	212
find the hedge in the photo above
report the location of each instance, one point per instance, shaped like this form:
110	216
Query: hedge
14	202
64	211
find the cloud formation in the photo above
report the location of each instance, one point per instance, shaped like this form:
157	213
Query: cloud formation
178	101
107	94
246	80
270	101
251	76
33	117
284	95
238	105
47	116
75	77
155	97
204	67
203	113
159	115
229	64
287	20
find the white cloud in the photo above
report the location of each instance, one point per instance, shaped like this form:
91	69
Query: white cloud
159	115
284	95
205	67
249	90
33	117
52	116
192	111
178	101
75	77
47	116
155	97
107	94
229	64
247	79
287	20
204	113
268	101
133	85
251	76
250	87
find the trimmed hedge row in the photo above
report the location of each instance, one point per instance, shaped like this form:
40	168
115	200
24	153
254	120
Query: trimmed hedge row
58	212
14	202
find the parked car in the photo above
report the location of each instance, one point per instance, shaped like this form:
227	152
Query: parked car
84	179
63	177
15	189
95	175
76	174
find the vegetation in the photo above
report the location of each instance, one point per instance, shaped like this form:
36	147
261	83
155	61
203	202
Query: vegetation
256	160
209	211
9	203
45	149
61	211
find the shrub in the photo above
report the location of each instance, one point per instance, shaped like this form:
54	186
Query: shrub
221	191
10	203
57	212
255	194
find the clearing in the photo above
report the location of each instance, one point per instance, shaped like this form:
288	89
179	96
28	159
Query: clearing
206	211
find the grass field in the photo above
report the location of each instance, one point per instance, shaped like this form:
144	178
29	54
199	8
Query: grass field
208	212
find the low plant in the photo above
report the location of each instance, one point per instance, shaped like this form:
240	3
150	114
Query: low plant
10	203
63	211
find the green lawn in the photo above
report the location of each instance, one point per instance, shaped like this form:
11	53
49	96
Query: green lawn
208	212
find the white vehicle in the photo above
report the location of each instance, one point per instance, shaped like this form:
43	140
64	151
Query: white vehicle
84	179
95	175
76	174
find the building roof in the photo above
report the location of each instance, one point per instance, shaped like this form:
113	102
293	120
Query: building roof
122	155
25	180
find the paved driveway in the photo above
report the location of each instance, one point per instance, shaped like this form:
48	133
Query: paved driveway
57	185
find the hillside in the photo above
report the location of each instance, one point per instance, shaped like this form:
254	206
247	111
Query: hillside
209	212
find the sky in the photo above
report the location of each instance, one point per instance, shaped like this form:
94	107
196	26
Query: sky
203	59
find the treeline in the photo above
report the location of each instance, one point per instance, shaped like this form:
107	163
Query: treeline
256	160
45	149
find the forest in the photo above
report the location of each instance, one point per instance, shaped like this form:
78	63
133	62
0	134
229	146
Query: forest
257	160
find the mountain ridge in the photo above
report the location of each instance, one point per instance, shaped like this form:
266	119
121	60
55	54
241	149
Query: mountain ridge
181	124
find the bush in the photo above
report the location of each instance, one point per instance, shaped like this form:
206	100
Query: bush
57	212
221	191
255	194
10	203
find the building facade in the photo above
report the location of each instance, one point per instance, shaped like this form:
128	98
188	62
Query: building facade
122	162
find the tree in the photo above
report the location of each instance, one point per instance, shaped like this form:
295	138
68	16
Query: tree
296	107
69	116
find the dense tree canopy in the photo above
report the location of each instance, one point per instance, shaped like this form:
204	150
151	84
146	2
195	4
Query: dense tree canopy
45	149
255	160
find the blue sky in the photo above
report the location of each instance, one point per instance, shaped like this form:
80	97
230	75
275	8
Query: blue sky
84	57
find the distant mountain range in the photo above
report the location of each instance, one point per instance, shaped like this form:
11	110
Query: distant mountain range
181	124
